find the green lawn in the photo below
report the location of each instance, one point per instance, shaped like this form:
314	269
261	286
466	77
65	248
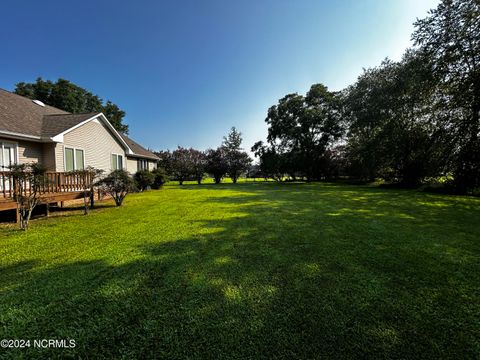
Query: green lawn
257	270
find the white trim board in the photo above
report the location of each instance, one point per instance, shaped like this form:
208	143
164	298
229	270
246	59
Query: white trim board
59	137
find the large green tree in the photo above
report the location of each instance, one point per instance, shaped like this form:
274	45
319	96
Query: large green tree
72	98
270	162
302	129
450	38
390	129
181	164
237	160
216	163
406	121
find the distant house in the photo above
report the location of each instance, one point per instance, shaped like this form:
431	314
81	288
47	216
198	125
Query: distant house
31	131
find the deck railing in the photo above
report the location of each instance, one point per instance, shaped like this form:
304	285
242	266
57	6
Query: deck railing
53	182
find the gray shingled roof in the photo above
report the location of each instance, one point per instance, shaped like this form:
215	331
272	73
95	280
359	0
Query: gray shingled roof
21	115
138	150
58	123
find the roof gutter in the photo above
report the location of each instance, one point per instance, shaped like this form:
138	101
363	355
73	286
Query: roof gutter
143	157
19	136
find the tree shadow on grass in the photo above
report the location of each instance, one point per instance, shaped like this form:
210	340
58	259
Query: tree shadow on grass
281	279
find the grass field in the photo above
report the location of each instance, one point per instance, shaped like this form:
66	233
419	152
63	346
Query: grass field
260	270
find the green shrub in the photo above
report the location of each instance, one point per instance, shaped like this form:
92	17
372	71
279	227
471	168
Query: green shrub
143	179
159	178
117	184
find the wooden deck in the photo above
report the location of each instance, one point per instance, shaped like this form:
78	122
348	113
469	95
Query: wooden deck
57	187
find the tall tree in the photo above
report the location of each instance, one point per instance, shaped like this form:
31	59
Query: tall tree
72	98
198	159
270	161
390	133
115	116
450	38
216	163
238	160
305	127
165	161
181	164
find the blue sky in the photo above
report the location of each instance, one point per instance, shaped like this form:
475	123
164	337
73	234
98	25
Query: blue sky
186	71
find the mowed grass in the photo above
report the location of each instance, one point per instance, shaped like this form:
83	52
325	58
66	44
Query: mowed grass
255	270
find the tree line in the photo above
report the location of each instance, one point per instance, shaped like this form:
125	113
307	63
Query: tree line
228	159
405	122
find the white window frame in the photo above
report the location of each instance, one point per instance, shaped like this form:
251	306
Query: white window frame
16	156
74	157
123	161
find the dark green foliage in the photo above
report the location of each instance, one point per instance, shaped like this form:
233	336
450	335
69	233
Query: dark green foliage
237	160
389	113
198	159
301	131
117	184
159	178
143	179
271	163
191	164
72	98
450	39
404	122
419	117
216	163
238	163
165	161
181	166
115	116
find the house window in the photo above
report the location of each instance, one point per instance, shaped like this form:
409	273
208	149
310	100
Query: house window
74	159
117	162
69	155
79	160
142	164
8	155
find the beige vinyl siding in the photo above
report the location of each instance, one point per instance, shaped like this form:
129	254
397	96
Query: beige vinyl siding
49	156
132	165
97	142
29	152
152	165
59	158
34	152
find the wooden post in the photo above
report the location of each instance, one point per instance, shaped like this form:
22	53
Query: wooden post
17	215
47	208
92	198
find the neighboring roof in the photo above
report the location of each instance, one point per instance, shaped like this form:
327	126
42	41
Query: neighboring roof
138	150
